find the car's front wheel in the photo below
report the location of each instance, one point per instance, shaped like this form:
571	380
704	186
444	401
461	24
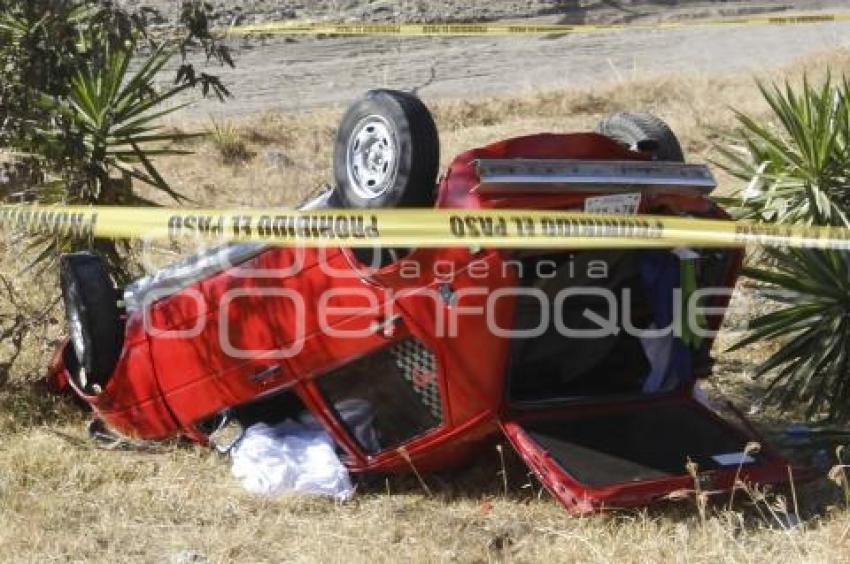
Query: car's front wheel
94	320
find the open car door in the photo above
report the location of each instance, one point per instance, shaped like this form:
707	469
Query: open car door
632	453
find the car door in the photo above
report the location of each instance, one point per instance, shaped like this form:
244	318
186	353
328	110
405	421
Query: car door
636	452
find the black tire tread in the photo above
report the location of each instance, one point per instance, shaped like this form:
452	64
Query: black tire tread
102	327
632	127
425	131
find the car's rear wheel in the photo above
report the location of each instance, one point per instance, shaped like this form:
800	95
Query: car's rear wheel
94	320
643	131
387	152
387	155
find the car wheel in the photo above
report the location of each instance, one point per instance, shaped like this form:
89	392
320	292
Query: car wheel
640	130
387	152
94	321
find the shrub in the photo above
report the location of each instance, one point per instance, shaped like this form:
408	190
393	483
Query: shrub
70	100
812	368
229	143
797	166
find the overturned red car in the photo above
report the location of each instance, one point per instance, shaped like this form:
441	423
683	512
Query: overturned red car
585	360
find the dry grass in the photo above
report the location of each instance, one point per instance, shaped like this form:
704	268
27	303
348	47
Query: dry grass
61	498
292	152
64	499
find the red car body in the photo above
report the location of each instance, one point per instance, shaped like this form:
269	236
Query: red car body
166	386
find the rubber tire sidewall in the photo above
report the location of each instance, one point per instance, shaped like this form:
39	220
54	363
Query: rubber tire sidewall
630	128
417	144
95	300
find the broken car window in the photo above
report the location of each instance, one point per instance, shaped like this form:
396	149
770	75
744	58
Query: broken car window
387	398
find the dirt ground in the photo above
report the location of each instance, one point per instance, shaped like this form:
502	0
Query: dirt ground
288	74
564	11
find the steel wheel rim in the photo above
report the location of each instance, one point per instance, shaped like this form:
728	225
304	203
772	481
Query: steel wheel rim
372	158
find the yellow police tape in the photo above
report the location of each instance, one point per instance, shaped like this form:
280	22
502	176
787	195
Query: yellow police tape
411	228
513	29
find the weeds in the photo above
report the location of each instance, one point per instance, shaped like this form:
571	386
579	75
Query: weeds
503	473
772	508
22	319
751	448
406	456
228	141
839	476
700	495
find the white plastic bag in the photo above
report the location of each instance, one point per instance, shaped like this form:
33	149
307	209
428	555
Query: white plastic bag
290	458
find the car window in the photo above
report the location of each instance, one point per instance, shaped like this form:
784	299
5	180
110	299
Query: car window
386	398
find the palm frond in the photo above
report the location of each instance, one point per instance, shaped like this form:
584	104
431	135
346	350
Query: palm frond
811	368
116	112
798	161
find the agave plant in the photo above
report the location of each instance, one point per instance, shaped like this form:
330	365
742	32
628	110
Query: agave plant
79	97
812	369
797	163
107	128
110	120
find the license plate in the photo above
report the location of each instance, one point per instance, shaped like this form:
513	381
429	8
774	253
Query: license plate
621	204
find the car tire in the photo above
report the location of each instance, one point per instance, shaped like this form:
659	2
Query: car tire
640	129
387	152
94	320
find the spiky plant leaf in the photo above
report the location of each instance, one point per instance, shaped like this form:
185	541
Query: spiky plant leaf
812	369
796	163
82	99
